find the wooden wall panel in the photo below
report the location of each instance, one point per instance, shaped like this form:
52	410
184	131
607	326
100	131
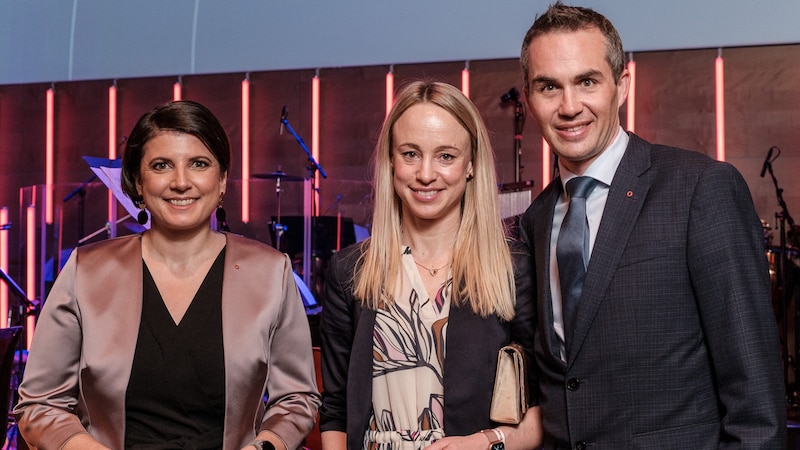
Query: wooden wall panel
352	109
763	110
490	80
675	99
81	129
271	151
447	72
22	146
675	106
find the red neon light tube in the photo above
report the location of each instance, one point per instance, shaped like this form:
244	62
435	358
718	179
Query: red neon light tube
246	150
49	156
4	267
631	107
177	91
315	137
545	163
465	81
719	89
112	144
389	91
30	265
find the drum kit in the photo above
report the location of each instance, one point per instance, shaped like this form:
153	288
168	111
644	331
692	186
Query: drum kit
784	273
774	252
305	238
277	229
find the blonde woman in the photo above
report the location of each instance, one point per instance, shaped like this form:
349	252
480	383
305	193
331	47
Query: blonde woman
414	316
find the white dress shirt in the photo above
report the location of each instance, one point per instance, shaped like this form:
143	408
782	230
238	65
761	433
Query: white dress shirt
603	170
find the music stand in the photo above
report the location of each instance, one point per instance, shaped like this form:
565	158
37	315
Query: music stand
514	200
109	171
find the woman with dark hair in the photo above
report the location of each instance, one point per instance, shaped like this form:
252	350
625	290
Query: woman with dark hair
171	338
414	317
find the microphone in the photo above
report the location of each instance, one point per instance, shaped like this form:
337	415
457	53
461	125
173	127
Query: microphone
512	94
284	113
767	162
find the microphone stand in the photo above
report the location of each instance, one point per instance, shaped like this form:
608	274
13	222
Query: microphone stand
785	288
30	305
81	192
519	123
105	227
312	167
26	307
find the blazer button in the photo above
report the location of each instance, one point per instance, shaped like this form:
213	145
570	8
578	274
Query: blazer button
580	445
573	384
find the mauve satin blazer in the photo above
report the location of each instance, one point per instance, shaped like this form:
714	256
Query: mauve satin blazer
82	351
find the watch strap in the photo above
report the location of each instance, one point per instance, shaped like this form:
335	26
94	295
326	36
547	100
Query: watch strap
496	438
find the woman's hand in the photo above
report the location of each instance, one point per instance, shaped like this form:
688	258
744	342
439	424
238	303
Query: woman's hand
475	441
525	436
83	441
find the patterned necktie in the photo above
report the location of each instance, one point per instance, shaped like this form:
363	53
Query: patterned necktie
572	249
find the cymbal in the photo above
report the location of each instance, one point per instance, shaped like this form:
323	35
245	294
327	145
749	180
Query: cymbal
278	175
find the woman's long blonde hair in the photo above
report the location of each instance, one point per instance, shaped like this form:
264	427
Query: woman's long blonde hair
483	275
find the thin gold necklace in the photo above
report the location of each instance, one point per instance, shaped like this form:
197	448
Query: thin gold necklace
431	270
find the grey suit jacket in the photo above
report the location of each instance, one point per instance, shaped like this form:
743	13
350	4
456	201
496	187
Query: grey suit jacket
80	360
675	344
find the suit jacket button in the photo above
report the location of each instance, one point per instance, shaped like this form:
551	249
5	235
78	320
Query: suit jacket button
580	445
573	384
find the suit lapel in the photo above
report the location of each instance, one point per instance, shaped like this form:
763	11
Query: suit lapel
626	196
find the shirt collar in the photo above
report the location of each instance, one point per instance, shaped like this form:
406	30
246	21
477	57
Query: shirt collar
605	166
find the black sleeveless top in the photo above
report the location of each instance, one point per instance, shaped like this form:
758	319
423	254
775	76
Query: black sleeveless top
176	393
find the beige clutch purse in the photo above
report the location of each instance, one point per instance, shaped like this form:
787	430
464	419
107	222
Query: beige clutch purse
510	396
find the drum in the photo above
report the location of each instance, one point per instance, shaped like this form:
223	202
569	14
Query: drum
781	304
774	255
767	230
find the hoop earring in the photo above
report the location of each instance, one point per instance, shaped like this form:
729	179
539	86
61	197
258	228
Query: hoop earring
142	217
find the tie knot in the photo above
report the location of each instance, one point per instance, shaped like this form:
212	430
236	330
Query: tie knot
580	186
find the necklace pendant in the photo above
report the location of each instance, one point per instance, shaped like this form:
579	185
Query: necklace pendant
433	272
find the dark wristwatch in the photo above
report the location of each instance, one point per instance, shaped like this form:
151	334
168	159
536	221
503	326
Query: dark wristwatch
496	438
263	445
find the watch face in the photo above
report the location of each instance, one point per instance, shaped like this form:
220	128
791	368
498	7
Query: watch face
498	446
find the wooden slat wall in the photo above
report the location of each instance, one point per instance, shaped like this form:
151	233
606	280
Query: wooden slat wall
675	105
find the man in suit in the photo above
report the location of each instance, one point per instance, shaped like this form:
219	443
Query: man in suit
673	343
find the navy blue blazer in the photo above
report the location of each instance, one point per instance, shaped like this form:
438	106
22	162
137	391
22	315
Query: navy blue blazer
470	359
675	343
